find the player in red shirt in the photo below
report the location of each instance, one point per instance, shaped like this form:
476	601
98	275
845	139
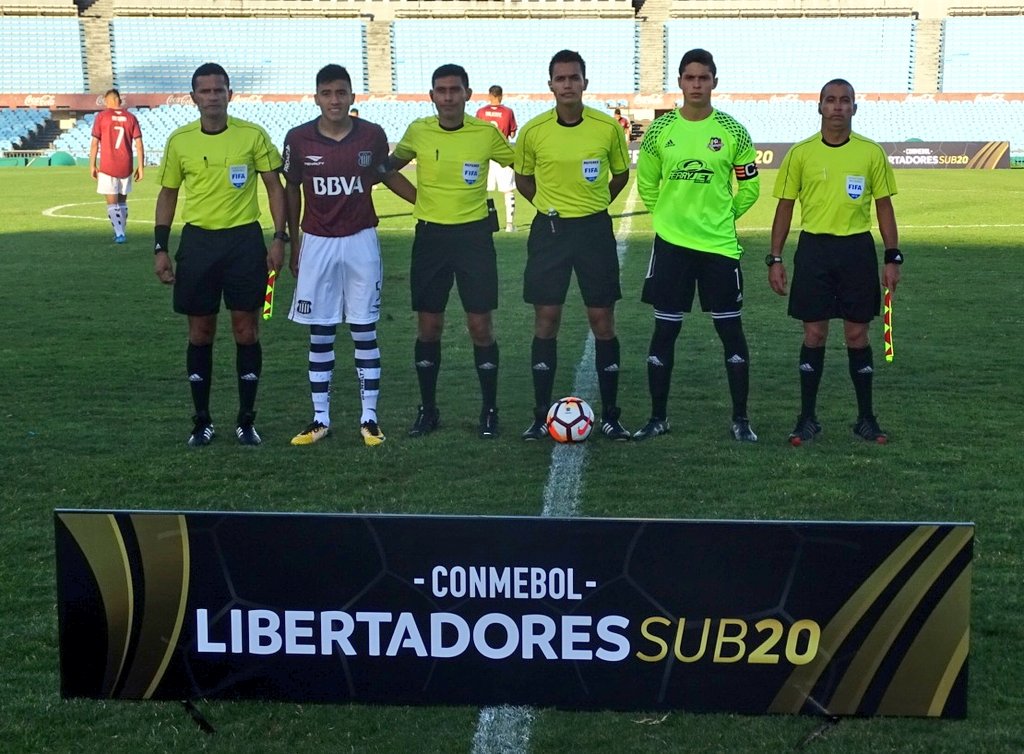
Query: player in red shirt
333	162
499	178
114	132
623	121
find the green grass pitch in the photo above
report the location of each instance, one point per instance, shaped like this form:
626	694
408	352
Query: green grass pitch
95	413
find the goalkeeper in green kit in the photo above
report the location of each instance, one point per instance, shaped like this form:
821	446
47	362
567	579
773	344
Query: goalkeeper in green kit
690	160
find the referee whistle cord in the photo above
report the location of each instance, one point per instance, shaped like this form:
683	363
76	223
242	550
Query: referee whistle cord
198	718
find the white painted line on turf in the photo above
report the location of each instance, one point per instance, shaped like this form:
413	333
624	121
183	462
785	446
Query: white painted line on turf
506	729
943	226
53	212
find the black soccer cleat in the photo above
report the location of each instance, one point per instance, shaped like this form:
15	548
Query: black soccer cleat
655	426
428	418
741	431
488	424
806	429
245	431
539	429
868	430
202	432
612	428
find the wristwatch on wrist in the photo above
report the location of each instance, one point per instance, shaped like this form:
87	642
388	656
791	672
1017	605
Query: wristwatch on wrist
280	235
772	259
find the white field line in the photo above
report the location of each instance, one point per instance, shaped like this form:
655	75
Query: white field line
506	729
56	212
625	227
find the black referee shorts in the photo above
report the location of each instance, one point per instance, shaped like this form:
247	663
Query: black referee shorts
213	263
835	277
463	254
559	246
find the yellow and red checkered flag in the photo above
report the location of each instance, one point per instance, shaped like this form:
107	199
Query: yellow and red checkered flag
268	298
887	325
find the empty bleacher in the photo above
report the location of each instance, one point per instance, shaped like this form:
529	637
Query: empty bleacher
261	55
18	124
41	55
515	52
983	53
797	55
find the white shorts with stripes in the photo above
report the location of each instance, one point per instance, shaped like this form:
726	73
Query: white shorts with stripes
500	179
108	185
339	280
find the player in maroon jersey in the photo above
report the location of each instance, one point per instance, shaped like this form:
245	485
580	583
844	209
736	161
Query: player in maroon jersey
332	163
114	132
499	178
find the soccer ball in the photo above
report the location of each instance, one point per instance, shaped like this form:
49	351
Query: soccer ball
570	420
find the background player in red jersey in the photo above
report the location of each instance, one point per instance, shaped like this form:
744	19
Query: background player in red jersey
333	162
499	178
114	132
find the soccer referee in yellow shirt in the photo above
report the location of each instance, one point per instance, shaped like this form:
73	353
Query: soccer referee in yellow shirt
835	175
453	241
222	253
571	162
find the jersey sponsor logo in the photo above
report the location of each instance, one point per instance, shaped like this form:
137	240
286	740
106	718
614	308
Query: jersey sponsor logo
336	185
591	169
287	157
696	171
238	175
314	160
364	159
304	307
715	145
745	172
471	172
855	186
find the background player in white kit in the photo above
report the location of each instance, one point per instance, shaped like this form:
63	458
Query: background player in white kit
333	162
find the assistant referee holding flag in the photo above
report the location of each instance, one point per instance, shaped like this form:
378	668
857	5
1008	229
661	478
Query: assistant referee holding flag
222	251
835	174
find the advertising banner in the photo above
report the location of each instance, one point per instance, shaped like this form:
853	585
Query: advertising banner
722	616
975	155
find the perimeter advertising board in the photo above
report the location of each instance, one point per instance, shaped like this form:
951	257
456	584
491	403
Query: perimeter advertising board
971	155
750	617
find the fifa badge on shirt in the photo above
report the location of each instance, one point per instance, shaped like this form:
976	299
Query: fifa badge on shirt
364	159
238	175
591	169
470	172
854	186
715	145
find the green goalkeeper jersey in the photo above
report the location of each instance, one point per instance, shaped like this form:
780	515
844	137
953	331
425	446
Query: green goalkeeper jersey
685	176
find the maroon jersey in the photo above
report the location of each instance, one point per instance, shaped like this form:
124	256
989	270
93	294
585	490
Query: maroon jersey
501	116
117	131
336	176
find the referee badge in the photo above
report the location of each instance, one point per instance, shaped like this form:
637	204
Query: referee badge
591	169
470	172
854	186
364	159
238	175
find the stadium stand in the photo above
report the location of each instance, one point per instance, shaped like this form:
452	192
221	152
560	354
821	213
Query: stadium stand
39	8
17	125
160	54
515	52
877	52
41	54
273	47
787	120
983	51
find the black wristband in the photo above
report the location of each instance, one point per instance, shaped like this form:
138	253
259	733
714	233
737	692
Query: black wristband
281	235
162	233
893	256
